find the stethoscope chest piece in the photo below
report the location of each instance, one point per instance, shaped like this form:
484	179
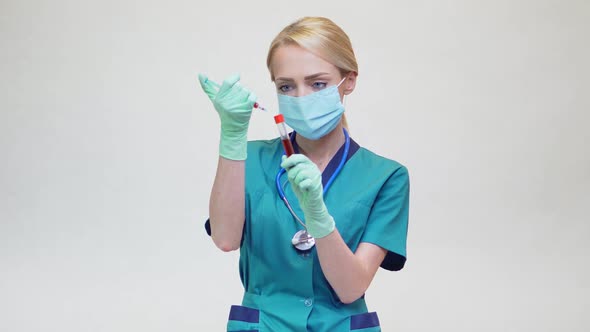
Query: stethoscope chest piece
302	241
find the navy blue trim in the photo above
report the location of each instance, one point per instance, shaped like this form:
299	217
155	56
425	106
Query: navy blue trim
208	230
332	166
363	321
208	227
334	162
244	314
393	261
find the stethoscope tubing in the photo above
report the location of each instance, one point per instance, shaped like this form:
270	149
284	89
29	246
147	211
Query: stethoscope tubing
328	184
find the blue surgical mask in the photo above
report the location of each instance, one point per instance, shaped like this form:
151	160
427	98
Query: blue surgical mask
314	115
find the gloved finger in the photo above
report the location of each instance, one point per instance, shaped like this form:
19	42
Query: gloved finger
304	171
252	99
293	160
293	173
239	97
310	172
228	83
244	105
306	185
208	86
301	174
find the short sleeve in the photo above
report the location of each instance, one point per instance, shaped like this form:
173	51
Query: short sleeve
387	225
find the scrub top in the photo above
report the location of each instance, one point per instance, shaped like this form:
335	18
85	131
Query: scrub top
286	290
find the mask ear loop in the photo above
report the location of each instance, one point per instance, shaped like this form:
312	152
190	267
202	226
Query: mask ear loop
344	95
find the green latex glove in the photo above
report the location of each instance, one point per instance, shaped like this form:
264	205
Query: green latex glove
306	181
234	105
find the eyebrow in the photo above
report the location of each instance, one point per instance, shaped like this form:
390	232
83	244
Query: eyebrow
305	78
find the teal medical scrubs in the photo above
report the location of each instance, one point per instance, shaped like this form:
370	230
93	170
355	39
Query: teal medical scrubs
285	289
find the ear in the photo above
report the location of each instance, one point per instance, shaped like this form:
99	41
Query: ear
350	82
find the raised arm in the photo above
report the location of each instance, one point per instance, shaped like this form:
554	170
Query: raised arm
234	105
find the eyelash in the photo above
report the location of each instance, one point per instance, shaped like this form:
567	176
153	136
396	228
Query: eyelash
283	88
322	83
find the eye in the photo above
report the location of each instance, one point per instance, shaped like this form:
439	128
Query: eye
318	85
285	88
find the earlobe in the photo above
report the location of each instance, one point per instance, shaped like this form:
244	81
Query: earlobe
349	89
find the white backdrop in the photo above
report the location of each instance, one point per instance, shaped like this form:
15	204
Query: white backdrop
108	150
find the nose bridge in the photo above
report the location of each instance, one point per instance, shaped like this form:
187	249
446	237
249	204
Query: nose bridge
302	89
300	92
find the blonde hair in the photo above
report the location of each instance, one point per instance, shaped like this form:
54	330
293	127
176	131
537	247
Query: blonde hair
322	37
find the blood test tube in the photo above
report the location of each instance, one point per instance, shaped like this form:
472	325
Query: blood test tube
280	121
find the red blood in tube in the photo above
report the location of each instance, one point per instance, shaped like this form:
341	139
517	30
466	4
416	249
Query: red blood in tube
288	147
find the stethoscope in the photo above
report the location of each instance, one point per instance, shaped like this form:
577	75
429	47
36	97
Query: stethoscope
302	241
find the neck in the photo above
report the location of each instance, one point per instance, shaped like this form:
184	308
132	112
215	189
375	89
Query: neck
322	150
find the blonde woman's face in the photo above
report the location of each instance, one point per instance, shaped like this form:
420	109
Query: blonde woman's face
299	72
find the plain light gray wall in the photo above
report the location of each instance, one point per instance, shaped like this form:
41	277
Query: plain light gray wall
108	150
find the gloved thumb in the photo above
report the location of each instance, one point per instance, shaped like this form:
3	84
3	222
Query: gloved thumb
208	86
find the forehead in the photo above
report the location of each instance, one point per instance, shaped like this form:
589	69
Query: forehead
295	62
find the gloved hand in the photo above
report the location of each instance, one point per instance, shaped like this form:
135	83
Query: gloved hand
234	105
306	181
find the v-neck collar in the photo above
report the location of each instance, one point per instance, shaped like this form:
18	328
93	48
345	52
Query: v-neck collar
334	162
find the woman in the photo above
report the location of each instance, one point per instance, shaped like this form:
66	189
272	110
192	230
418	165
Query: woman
306	269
